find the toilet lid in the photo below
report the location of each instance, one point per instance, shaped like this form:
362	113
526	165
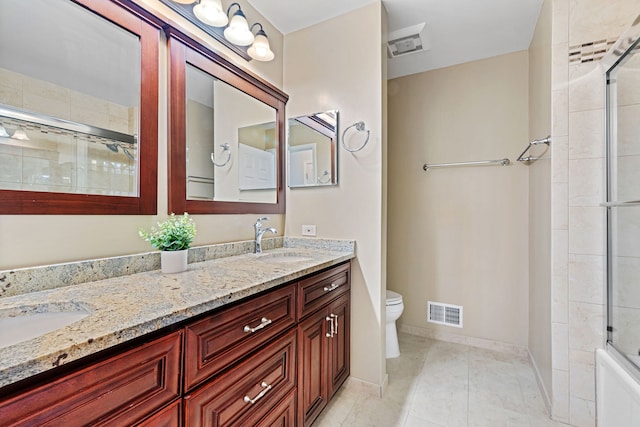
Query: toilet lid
393	298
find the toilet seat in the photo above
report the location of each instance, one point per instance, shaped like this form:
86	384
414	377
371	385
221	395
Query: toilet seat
393	298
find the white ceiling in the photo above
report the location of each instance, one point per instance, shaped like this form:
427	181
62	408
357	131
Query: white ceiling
458	30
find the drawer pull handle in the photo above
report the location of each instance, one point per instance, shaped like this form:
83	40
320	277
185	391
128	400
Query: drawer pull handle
264	322
333	287
266	387
331	327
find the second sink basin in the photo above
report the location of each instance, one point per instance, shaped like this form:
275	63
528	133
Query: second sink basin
27	322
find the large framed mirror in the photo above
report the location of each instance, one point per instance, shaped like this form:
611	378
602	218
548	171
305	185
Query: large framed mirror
227	134
312	149
78	114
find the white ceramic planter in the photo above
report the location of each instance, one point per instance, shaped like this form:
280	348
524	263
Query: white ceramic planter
174	261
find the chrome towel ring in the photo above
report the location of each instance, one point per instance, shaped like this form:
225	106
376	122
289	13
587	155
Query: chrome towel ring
225	148
360	126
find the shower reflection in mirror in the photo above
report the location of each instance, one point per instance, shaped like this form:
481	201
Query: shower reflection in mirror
312	150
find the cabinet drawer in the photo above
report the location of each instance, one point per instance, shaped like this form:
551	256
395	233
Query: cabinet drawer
118	391
248	391
223	338
283	415
168	417
320	289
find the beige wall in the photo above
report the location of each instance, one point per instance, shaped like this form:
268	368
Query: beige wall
459	235
323	72
540	202
30	240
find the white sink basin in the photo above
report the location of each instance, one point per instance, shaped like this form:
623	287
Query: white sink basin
280	258
25	323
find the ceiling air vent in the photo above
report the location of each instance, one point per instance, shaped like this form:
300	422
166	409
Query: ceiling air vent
444	314
407	40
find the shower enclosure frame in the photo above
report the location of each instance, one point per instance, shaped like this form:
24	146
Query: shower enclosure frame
625	47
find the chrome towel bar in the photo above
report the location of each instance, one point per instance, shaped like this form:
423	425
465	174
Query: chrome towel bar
501	162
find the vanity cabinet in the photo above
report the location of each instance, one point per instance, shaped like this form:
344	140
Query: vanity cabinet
121	390
323	340
274	359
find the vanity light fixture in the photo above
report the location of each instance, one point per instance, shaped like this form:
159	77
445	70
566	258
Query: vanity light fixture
238	30
230	29
260	49
20	135
210	12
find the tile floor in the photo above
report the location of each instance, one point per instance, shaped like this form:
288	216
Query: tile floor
440	384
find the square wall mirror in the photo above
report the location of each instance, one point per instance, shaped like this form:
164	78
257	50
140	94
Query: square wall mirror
312	150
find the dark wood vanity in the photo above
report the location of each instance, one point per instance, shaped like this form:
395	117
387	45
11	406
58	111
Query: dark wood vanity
276	358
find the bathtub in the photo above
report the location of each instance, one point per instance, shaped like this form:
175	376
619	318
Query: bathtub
617	391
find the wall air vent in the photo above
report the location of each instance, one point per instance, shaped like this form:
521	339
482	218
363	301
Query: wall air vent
407	40
444	314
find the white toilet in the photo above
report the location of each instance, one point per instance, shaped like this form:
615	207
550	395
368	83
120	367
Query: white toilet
394	310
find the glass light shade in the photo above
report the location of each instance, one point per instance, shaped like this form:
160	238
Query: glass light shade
260	49
3	132
210	12
184	1
21	135
238	30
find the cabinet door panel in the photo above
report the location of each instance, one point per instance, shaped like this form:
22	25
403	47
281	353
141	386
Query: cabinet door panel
312	367
340	342
216	341
118	391
265	378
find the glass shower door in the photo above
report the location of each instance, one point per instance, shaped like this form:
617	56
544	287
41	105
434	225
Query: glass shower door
623	204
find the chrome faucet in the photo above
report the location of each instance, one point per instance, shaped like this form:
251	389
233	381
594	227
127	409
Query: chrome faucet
260	232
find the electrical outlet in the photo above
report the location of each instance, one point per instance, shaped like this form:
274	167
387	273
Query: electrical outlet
308	230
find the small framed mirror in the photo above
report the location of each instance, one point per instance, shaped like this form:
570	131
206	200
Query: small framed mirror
312	150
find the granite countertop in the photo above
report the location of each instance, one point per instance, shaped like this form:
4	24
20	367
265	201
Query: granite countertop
126	307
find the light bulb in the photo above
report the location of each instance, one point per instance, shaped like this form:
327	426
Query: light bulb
238	30
260	49
210	12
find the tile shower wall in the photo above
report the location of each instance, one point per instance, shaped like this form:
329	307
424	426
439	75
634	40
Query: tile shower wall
581	30
59	162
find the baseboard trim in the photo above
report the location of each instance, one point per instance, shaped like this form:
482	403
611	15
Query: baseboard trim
541	387
499	346
365	387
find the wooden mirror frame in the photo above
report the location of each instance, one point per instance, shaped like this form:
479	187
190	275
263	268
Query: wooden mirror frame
134	19
183	50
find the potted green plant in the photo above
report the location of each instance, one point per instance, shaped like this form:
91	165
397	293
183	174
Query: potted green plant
173	238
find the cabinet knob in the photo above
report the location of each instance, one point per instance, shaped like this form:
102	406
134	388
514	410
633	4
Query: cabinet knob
263	322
